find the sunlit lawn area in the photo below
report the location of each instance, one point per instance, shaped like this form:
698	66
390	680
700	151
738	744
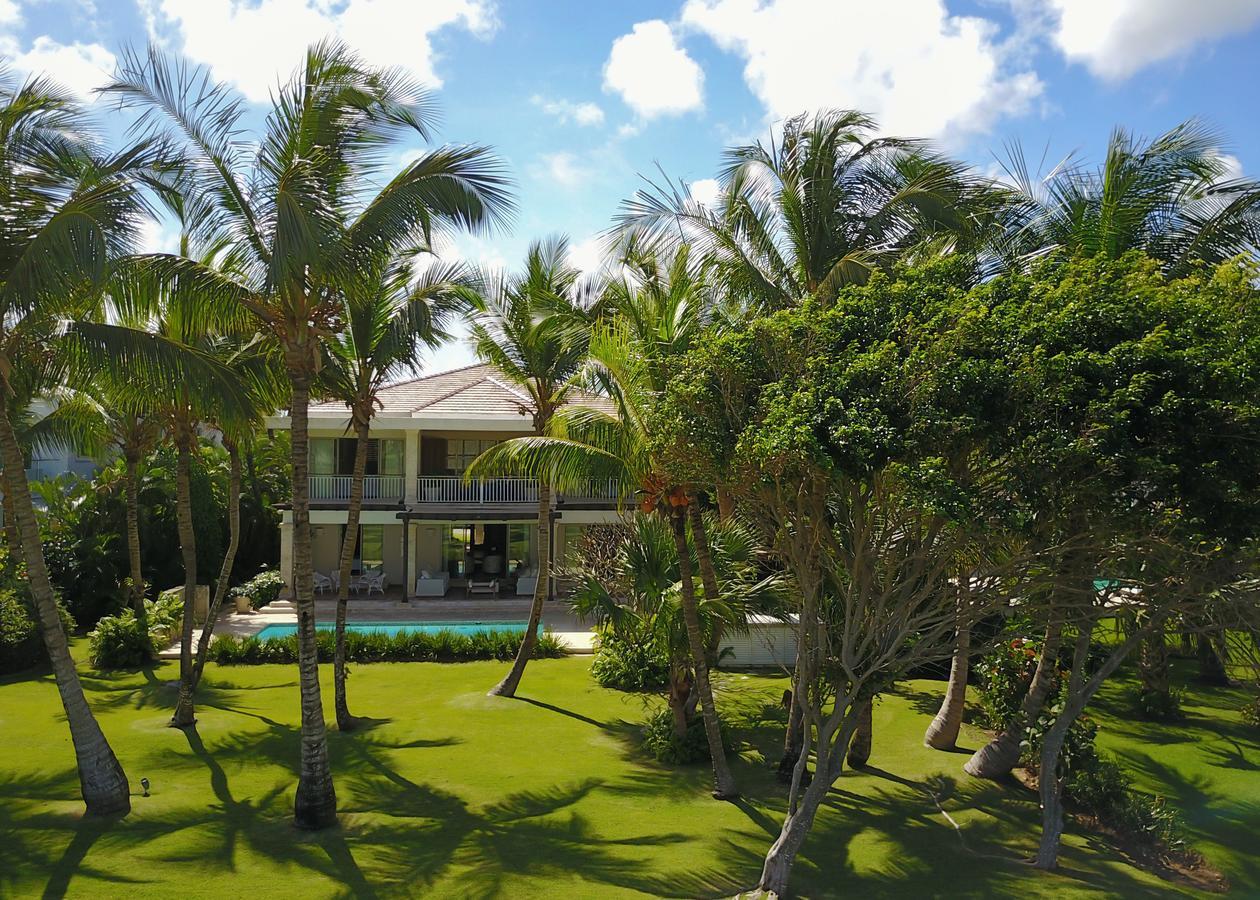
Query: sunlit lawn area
458	794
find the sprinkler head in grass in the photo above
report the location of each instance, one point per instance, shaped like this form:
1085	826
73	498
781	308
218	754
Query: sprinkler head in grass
144	786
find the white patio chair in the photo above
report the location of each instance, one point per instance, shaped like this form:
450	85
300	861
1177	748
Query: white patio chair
377	581
322	583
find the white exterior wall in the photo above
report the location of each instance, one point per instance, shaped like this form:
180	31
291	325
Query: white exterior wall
768	643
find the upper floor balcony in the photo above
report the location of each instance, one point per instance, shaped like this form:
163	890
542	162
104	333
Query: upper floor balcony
454	490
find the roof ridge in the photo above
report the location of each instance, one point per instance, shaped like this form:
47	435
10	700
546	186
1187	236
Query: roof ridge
514	391
407	381
451	393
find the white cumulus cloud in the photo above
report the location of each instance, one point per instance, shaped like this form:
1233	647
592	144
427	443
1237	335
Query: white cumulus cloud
563	168
566	111
1115	38
77	67
257	45
915	67
652	73
587	255
705	191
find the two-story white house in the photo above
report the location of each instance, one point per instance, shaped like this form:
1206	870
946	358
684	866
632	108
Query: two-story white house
428	530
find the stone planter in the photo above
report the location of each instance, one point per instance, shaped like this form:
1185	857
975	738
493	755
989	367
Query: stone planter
242	604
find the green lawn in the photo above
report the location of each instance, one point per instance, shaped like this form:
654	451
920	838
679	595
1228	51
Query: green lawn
458	794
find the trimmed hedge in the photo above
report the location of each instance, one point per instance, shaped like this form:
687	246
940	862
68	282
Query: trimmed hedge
627	665
263	589
405	646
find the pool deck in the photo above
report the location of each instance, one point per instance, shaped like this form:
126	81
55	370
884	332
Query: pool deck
557	616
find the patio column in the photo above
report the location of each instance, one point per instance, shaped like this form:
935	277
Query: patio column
409	562
411	465
286	551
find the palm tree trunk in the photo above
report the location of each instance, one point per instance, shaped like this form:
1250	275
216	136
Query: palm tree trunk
942	734
507	687
680	691
101	779
723	781
998	757
184	713
131	486
221	587
860	744
345	721
315	805
11	539
1212	665
708	576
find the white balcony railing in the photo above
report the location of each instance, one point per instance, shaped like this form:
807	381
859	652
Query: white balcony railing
507	490
375	487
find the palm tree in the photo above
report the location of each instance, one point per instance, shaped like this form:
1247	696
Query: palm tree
297	208
533	327
68	212
820	208
390	313
1174	198
648	318
638	596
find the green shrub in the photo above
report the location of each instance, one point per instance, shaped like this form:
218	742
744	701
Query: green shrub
1156	706
1102	788
119	642
1005	674
21	644
1251	712
665	746
262	589
405	646
627	665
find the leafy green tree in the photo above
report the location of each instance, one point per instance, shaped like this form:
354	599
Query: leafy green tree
533	327
297	209
854	436
1129	455
391	312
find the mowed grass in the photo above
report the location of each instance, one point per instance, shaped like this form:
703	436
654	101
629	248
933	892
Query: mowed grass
455	794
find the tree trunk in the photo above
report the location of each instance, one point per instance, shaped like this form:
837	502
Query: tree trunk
1212	668
800	817
131	485
315	805
942	734
345	721
723	782
11	539
101	779
680	691
860	744
507	687
1050	786
184	714
1153	668
221	587
997	758
725	503
708	577
777	867
794	738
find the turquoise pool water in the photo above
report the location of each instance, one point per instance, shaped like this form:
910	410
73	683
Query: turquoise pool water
277	631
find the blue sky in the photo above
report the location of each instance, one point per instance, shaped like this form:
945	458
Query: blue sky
582	99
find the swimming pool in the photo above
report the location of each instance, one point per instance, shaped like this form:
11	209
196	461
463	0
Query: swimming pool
279	631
